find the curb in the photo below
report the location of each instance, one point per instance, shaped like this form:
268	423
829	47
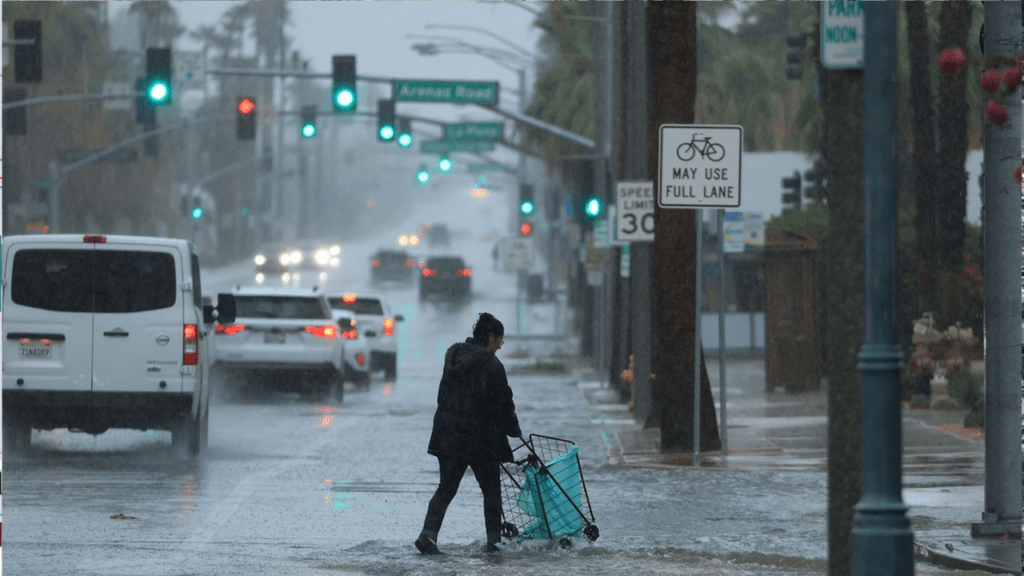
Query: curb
933	553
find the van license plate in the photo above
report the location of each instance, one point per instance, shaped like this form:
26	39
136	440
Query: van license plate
35	350
273	337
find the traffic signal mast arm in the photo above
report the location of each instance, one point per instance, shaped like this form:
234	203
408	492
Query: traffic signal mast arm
69	98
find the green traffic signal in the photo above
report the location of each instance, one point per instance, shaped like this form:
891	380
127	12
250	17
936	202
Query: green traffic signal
404	133
593	207
444	164
387	132
405	140
422	175
197	212
158	75
308	131
158	92
343	91
526	207
308	121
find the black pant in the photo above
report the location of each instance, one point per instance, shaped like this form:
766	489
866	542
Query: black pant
452	470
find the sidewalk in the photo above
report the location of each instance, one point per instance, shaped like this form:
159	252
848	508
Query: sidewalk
943	463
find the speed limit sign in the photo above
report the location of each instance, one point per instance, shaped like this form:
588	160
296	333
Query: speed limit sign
634	209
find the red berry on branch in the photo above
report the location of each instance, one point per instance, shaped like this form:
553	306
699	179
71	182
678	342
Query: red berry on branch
951	59
995	113
1012	77
990	81
1016	173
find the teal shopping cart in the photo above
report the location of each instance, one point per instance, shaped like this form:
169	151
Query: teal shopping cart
544	494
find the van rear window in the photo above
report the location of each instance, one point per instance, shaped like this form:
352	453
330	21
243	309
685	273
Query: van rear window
105	281
358	306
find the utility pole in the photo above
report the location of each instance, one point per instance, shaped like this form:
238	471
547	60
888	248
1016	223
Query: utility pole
671	51
1002	240
882	542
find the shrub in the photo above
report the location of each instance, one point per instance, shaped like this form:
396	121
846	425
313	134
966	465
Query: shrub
967	388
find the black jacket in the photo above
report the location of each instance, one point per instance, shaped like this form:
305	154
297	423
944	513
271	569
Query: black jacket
475	412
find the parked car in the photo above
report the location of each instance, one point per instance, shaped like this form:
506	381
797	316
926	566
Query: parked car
446	278
288	334
376	323
391	266
357	350
105	332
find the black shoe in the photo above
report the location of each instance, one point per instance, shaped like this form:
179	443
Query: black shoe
427	546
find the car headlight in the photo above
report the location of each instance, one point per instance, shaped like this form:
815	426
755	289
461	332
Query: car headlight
296	257
322	257
260	259
285	259
335	250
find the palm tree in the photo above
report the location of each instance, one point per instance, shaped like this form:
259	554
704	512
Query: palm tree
158	23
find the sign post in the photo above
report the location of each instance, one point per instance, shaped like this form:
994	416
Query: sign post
699	166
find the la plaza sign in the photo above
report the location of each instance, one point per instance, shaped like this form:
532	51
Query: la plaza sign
699	166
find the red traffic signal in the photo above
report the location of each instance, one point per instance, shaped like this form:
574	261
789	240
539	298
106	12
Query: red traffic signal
246	105
246	123
525	229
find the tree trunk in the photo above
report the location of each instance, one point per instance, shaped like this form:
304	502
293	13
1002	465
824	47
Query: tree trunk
672	48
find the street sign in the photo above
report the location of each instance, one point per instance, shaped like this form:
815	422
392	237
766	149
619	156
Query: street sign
480	167
699	166
732	231
442	146
517	254
842	34
126	89
601	230
190	70
474	131
634	209
459	92
624	262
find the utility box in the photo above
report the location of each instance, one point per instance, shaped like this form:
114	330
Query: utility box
792	335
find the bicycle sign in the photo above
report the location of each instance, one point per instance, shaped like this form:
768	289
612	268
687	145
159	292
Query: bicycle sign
699	166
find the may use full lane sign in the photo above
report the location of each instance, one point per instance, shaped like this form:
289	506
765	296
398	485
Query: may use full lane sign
699	166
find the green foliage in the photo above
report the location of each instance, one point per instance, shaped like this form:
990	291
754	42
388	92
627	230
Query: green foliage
967	387
944	404
919	402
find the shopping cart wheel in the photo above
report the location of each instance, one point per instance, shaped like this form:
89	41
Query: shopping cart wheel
509	531
564	543
591	532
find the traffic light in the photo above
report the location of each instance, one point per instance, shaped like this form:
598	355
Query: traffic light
28	57
526	205
158	76
444	164
246	123
14	118
343	94
795	55
525	229
197	212
385	120
404	133
791	196
308	121
592	207
423	175
816	177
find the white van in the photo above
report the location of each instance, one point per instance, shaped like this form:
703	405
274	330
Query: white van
105	332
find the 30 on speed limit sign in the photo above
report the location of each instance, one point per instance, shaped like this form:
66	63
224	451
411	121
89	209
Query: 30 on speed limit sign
634	211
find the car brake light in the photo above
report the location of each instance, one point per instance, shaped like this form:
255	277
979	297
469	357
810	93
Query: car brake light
327	331
359	358
350	334
190	345
429	272
463	272
230	329
95	239
374	262
348	298
422	264
409	262
389	326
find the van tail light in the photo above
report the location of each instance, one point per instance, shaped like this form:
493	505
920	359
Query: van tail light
190	347
351	334
375	262
94	239
229	329
389	326
464	272
429	272
360	359
408	263
327	331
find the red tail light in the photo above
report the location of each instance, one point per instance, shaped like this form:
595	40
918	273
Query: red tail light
422	264
409	262
464	272
349	334
375	262
389	326
348	298
190	346
429	272
229	329
359	358
95	239
327	331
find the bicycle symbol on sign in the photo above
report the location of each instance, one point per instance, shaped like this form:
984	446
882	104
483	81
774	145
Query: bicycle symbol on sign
703	146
